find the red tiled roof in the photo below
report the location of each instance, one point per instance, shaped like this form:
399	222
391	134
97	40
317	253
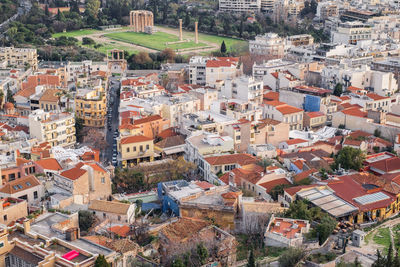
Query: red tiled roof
242	159
271	96
271	184
352	142
295	141
120	230
376	97
288	109
49	164
20	184
356	112
275	103
387	165
147	119
135	139
347	188
167	133
293	190
204	184
74	173
303	175
359	133
314	114
222	62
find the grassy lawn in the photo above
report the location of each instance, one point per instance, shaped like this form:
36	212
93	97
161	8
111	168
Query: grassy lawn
209	38
76	33
154	41
382	237
108	46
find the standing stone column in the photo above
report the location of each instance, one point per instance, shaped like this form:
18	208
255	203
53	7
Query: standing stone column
196	33
180	30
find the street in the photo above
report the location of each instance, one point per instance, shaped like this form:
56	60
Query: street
114	121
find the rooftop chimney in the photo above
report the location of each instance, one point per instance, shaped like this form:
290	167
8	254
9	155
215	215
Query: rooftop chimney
232	179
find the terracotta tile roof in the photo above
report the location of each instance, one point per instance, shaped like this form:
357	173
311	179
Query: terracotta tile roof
359	133
387	165
222	62
109	206
96	167
275	75
183	229
271	96
376	97
20	184
275	103
303	175
352	142
172	141
74	173
41	79
288	109
168	133
204	184
271	184
147	119
287	227
25	92
356	112
293	190
231	195
265	122
295	141
347	188
252	176
343	98
99	73
242	159
299	164
353	88
21	161
120	230
50	95
49	164
135	139
315	114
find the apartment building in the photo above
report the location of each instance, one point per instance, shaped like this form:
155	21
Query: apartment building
314	120
85	181
244	88
283	112
91	106
326	10
135	149
149	126
351	32
239	5
210	70
86	68
58	129
300	40
12	209
269	44
19	57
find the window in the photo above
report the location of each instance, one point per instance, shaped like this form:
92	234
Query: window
35	195
103	180
5	217
104	215
147	147
11	176
141	148
1	244
127	150
119	217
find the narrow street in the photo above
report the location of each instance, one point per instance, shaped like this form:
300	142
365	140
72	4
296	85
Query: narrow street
114	121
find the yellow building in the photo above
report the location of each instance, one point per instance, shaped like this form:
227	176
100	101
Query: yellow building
91	106
135	149
19	57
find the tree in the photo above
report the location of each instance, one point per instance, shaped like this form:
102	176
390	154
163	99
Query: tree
177	263
251	262
78	128
291	257
46	11
338	91
168	54
202	253
349	158
325	229
223	48
377	133
101	262
92	8
86	220
88	41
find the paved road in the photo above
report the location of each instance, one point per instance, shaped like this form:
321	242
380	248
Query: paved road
114	122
